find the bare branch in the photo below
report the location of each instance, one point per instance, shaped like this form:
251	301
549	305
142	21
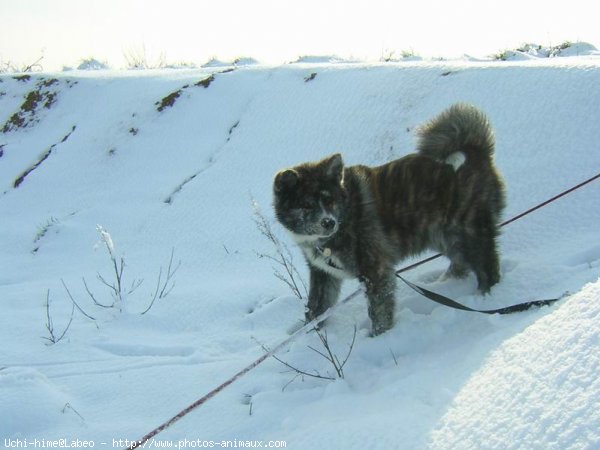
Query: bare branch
116	286
164	288
74	302
350	348
319	353
170	274
159	279
134	285
289	366
49	325
331	358
283	254
96	302
327	354
9	66
302	372
112	287
68	406
291	381
35	65
119	274
394	357
53	338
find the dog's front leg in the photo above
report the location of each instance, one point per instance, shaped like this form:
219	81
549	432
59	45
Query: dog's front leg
323	293
381	287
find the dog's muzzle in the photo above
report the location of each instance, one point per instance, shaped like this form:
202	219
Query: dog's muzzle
328	224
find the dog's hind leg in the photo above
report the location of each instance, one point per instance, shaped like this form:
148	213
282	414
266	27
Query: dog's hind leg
481	256
458	266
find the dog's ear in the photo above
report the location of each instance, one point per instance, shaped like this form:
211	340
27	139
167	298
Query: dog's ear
285	180
334	166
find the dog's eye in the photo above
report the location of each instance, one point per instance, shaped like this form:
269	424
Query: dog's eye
326	198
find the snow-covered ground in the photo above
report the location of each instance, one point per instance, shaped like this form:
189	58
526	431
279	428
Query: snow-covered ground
172	160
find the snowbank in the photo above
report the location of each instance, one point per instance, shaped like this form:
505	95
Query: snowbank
539	389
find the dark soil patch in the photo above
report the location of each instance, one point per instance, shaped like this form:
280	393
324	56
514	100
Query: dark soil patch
168	101
23	78
50	82
43	158
41	96
31	101
205	82
233	127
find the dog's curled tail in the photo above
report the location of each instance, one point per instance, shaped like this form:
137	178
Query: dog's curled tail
460	134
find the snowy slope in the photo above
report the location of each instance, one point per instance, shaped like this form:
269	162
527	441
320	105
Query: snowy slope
548	373
172	160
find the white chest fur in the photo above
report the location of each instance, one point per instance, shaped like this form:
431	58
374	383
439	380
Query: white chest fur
326	260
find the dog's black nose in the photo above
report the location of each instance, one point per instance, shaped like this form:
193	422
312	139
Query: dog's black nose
328	223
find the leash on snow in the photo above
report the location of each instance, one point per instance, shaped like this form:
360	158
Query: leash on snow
438	298
443	300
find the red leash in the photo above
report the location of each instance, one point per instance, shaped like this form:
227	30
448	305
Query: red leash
305	329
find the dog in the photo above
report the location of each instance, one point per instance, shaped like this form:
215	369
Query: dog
359	221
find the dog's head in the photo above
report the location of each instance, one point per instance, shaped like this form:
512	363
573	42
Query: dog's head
310	198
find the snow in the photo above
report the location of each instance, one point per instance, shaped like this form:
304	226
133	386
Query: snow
92	64
546	375
535	51
216	63
314	59
439	379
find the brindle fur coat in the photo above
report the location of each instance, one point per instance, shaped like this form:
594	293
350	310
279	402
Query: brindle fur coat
359	221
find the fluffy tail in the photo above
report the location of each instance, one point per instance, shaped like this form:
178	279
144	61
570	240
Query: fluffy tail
462	133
